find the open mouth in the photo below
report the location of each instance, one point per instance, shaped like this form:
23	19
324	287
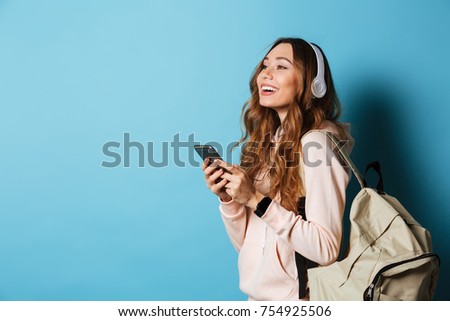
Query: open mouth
269	89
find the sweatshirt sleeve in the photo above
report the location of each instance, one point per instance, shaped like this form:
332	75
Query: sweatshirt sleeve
234	216
326	180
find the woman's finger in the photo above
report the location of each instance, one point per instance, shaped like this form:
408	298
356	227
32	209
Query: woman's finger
210	169
205	163
230	188
218	187
211	180
232	168
231	177
229	167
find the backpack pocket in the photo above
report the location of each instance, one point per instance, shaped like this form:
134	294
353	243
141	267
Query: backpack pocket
410	279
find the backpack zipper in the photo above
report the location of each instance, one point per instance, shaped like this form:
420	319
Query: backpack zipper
368	293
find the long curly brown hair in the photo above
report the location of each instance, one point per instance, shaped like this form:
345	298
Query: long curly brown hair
308	113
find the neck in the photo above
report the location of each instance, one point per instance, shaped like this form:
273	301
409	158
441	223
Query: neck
282	112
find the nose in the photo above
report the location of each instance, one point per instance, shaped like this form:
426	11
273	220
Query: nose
266	74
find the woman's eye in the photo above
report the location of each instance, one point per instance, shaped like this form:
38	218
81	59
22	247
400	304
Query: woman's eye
281	67
263	67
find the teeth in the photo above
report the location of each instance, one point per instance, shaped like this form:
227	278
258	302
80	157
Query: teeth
269	88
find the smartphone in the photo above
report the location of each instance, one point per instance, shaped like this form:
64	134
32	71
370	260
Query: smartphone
208	151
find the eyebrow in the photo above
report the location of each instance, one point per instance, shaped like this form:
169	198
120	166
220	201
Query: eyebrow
279	58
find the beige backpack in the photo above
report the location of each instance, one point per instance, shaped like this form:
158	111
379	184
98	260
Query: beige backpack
390	254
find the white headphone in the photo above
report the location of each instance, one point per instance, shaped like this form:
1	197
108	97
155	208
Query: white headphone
318	85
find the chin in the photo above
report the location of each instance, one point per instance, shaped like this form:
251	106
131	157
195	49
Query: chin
264	103
268	104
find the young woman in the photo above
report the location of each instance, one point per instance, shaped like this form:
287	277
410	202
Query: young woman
286	171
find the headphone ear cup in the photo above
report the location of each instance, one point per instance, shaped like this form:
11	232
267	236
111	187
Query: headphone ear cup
318	87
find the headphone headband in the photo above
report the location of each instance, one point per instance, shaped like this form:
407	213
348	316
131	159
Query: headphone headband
318	85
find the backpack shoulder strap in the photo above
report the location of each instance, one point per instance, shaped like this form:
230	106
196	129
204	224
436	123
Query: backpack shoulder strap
302	263
339	147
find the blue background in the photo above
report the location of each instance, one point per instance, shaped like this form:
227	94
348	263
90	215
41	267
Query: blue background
77	74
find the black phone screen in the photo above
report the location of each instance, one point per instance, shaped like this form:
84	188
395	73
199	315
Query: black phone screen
207	151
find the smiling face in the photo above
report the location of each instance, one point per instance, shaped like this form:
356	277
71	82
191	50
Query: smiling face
278	83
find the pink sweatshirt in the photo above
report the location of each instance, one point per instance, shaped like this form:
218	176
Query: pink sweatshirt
267	245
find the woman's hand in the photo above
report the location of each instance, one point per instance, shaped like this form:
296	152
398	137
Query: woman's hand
212	173
239	186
